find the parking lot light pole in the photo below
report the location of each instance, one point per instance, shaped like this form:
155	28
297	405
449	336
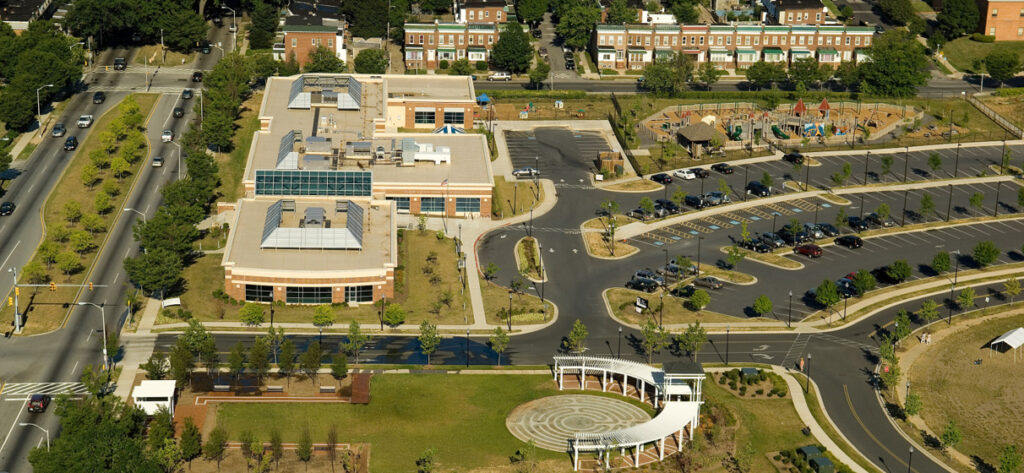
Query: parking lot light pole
103	317
726	345
903	219
47	432
862	206
956	162
179	158
620	341
995	210
910	458
661	310
908	388
867	157
467	347
789	322
807	384
39	108
699	239
906	163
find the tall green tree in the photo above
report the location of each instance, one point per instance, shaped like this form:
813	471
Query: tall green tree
355	340
531	11
941	262
365	17
252	314
191	441
929	311
653	339
708	74
429	338
620	12
691	340
182	363
898	271
985	253
576	341
898	11
898	65
957	18
216	445
499	342
311	360
323	59
805	71
323	317
264	17
259	358
512	52
950	435
236	360
1002	64
286	360
577	26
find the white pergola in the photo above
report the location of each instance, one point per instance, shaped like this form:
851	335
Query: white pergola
1013	339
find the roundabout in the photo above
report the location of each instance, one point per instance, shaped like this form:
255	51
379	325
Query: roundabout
550	422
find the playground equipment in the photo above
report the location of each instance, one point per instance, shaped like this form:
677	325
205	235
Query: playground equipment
735	132
813	130
779	133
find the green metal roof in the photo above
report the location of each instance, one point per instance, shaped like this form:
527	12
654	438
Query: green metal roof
446	50
414	48
451	27
476	49
601	28
800	52
773	50
721	51
308	28
827	51
746	51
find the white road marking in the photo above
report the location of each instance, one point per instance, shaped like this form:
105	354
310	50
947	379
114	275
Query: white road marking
13	425
73	369
89	337
10	254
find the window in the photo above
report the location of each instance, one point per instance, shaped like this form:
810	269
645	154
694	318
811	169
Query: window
258	293
995	12
430	39
467	204
308	295
401	203
1022	12
747	41
303	182
432	204
801	40
454	118
490	39
647	41
657	40
358	293
423	117
820	39
472	15
295	42
462	39
499	16
487	14
675	39
620	40
817	17
856	41
757	40
828	41
992	31
728	40
629	41
600	40
790	16
867	41
313	42
421	39
847	40
1020	31
471	39
702	41
330	42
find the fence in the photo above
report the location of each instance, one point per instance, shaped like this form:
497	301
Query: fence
988	112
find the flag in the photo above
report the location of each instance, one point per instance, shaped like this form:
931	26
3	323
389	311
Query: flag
444	182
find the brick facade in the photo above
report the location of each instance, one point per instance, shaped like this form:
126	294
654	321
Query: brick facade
483	11
439	115
1002	19
729	47
427	44
383	285
304	34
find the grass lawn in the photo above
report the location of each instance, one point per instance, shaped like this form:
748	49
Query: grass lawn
621	301
172	58
231	165
1011	108
962	52
527	258
598	246
639	184
414	290
770	258
47	309
525	306
507	196
27	151
983	399
463	417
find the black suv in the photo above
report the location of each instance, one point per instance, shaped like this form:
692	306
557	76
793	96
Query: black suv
701	173
197	76
178	112
186	94
99	97
757	189
120	64
828	229
723	168
662	178
695	201
642	284
6	208
71	143
668	205
856	223
850	241
794	157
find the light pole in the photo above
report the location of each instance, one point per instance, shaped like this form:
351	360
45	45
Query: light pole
910	458
699	239
807	385
467	347
789	322
47	432
129	209
510	311
661	309
17	315
956	162
906	163
908	388
39	108
103	317
867	158
234	27
726	345
620	341
179	158
543	276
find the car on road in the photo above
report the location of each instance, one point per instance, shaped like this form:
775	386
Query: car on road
526	172
6	208
218	21
186	94
38	403
685	174
71	144
197	76
695	201
85	121
723	168
500	76
570	64
850	241
120	64
535	33
773	239
709	282
640	214
813	230
205	47
794	157
856	223
648	274
662	178
567	55
876	220
811	251
717	198
701	173
178	112
58	130
158	161
642	284
99	97
668	205
757	189
828	229
543	53
166	136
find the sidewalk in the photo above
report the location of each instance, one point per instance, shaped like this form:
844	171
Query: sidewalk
138	347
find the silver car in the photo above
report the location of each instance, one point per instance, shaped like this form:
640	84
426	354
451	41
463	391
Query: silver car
813	231
709	282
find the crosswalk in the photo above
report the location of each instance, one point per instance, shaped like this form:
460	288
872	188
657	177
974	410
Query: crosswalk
796	350
28	389
848	342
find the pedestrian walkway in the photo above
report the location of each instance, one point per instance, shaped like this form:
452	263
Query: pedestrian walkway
21	391
137	349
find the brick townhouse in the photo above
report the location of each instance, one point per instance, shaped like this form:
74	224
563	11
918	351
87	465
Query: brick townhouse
1003	19
426	44
796	12
730	47
304	33
483	11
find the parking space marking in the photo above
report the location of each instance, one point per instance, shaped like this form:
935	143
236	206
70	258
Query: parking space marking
779	209
758	212
694	226
716	223
736	219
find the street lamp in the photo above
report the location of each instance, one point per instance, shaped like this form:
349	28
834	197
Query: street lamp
908	388
129	209
661	309
510	311
39	108
789	323
467	347
807	385
726	345
179	158
47	432
956	162
234	28
17	315
103	317
620	341
699	239
910	458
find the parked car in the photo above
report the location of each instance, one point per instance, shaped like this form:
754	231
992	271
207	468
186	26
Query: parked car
178	112
38	403
717	198
723	168
794	157
535	33
186	94
757	189
197	76
543	53
6	208
668	205
99	97
660	211
773	239
205	47
120	64
856	223
640	214
695	201
791	238
672	271
567	55
701	173
500	76
526	172
828	229
648	274
756	246
683	292
850	241
166	136
813	230
570	64
158	161
645	285
58	130
85	121
686	174
709	282
662	178
71	144
811	251
874	219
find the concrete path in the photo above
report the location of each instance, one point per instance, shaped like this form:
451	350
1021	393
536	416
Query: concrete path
138	347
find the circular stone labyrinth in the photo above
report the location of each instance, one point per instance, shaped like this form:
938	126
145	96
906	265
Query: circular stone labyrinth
551	421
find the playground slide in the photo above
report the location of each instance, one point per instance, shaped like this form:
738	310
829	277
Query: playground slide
736	133
778	133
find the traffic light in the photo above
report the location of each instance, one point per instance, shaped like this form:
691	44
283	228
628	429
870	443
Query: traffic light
17	291
90	285
10	301
53	286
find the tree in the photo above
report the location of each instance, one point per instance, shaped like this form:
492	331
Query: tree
310	361
490	271
898	65
763	305
898	271
660	77
898	11
182	363
934	161
957	18
372	61
304	450
512	52
766	180
1002	64
48	251
81	241
394	315
90	175
264	25
685	11
429	339
901	325
883	211
887	161
692	339
653	339
827	294
576	341
929	311
1009	460
577	26
72	211
216	445
912	406
191	442
69	263
985	253
276	447
965	300
864	281
538	74
156	367
620	12
1011	288
762	74
339	365
941	262
531	11
499	342
93	223
355	340
425	463
158	269
950	436
286	360
259	358
35	273
734	256
927	205
647	205
708	74
805	71
323	316
119	166
251	314
236	360
462	67
699	299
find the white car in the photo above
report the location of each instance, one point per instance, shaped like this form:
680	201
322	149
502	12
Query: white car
158	161
168	135
500	76
684	174
85	121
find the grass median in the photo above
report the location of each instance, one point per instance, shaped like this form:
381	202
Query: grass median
622	300
517	195
526	307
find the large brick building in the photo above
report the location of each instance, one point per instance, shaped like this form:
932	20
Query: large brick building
796	12
730	47
483	11
426	44
1003	19
304	33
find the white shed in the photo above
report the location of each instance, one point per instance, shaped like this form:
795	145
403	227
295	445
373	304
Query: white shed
151	395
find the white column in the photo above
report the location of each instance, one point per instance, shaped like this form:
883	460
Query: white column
607	454
636	462
625	381
575	458
661	449
643	387
556	370
561	378
604	380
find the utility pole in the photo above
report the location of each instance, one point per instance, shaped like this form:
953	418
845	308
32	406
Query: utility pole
906	163
17	315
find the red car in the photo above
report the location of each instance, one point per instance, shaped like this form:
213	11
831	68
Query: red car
812	251
38	403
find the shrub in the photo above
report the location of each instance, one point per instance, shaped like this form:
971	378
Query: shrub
481	65
759	392
443	64
983	38
609	72
743	390
732	385
720	380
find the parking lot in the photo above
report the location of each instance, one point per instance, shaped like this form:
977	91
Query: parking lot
562	155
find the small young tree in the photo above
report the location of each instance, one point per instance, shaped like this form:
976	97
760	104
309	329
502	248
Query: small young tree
1011	288
311	361
883	211
259	359
927	205
236	360
950	436
699	299
647	205
965	300
215	446
985	253
977	201
929	311
864	281
191	442
901	325
251	314
429	338
425	463
887	161
323	317
304	450
394	315
941	262
763	305
1009	460
490	271
898	271
576	341
276	447
766	180
827	294
934	162
499	342
286	360
653	339
157	366
734	256
692	339
355	340
339	366
912	406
